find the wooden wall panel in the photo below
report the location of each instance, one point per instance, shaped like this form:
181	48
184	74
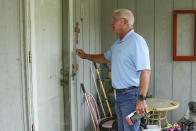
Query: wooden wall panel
131	5
163	39
80	62
12	105
183	4
98	26
181	72
107	36
163	44
91	51
92	39
181	87
193	82
89	41
127	4
145	27
86	47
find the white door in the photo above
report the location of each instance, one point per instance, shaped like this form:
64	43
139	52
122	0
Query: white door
46	39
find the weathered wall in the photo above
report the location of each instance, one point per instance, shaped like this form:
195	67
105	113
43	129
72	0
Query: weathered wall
12	95
46	39
46	31
89	41
154	21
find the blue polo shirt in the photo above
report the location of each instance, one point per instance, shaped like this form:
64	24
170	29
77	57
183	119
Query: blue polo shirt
128	57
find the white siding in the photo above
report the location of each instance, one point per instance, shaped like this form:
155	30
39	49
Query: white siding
89	41
145	27
12	102
182	70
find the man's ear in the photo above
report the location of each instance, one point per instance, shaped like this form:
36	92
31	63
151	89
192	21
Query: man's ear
126	21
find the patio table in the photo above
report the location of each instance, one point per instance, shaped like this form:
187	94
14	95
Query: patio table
159	108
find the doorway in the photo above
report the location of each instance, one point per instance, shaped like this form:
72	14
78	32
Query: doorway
47	65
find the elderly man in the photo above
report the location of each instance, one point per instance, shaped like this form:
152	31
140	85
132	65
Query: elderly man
130	68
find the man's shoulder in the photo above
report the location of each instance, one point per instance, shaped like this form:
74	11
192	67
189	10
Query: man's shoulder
136	36
137	39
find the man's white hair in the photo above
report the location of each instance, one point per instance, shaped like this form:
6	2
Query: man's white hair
125	13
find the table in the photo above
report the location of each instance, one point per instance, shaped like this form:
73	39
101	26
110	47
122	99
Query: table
159	107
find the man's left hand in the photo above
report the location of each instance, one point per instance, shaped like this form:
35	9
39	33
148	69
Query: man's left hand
141	107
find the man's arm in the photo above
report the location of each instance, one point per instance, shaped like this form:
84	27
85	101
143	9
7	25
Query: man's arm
144	84
99	58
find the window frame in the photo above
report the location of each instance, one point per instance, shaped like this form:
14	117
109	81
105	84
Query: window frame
183	58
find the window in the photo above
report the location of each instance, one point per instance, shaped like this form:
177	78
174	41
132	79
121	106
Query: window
184	35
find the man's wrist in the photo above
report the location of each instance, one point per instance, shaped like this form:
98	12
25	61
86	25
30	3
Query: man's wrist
141	97
87	57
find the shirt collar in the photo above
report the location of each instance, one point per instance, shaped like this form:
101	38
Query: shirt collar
126	36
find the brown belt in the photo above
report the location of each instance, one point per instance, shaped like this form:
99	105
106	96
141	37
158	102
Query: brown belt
121	90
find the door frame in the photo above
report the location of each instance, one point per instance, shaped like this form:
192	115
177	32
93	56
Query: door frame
26	63
72	83
26	16
68	53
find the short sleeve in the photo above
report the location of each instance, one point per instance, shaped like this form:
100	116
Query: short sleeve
108	55
142	59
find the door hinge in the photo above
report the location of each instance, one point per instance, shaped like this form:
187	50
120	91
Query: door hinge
30	57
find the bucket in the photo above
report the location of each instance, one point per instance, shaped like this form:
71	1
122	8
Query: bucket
152	128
